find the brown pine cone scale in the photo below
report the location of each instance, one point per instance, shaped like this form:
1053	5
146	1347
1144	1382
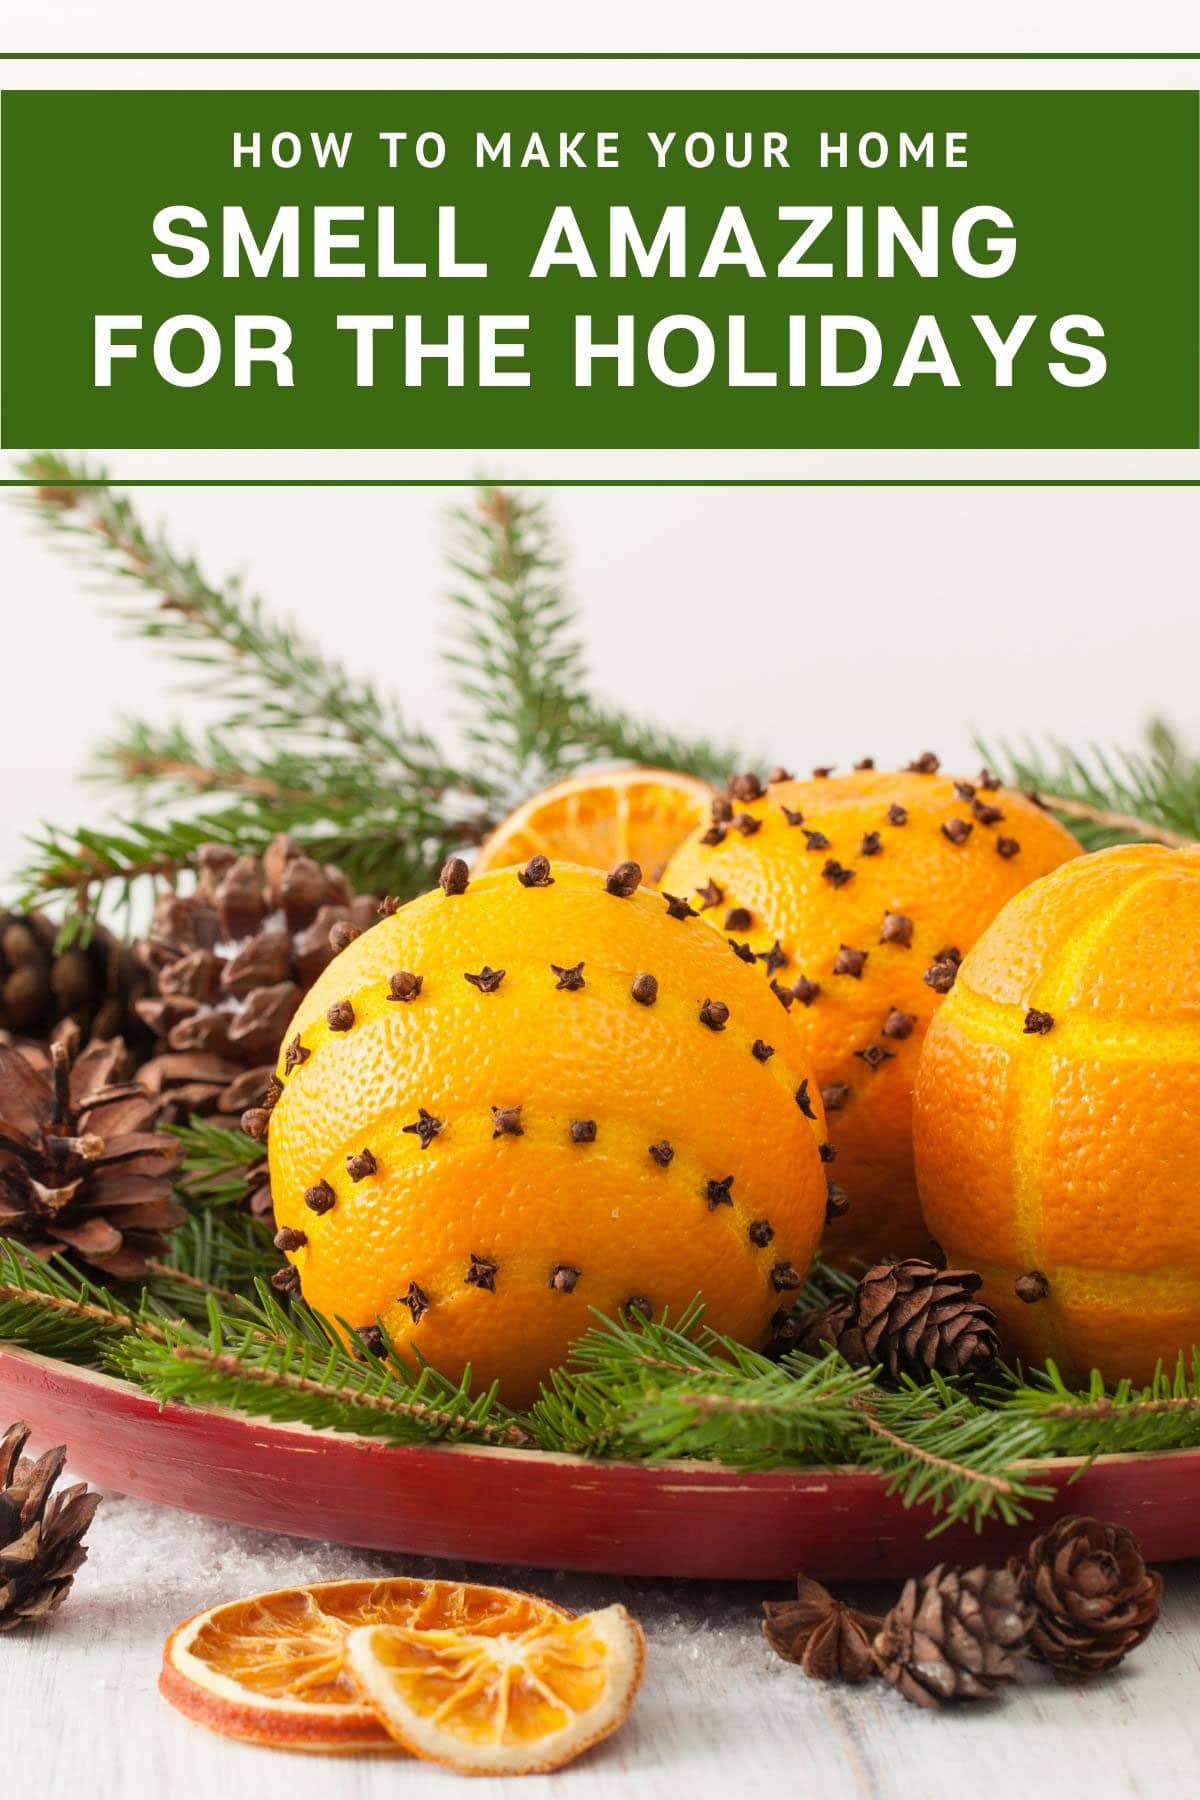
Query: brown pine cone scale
83	1172
41	1534
1093	1597
910	1318
94	985
956	1634
233	960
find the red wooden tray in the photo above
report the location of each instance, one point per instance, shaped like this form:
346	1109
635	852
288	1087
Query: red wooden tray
529	1508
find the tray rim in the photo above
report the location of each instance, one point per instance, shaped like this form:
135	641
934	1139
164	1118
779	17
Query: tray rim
688	1466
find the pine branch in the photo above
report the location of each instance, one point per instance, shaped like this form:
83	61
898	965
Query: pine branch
520	668
515	660
293	1365
258	1360
654	1391
1111	796
1100	1420
266	674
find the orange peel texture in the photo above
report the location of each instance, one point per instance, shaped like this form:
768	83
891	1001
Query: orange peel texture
1057	1114
538	1093
858	894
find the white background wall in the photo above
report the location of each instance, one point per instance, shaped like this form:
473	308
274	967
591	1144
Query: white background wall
819	624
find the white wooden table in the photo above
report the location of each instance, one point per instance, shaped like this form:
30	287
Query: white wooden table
718	1714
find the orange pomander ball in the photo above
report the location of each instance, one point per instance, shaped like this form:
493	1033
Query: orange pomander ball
1057	1114
533	1094
857	895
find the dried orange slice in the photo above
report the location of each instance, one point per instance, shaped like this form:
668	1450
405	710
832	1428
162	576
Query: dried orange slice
271	1668
634	815
515	1696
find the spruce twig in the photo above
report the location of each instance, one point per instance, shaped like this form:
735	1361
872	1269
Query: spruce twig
1151	793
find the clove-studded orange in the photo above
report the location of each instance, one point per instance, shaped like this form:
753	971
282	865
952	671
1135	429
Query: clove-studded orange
857	896
1057	1114
531	1094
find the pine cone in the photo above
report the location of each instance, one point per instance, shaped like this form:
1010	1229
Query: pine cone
82	1170
954	1635
41	1537
94	985
910	1317
1093	1597
233	959
830	1640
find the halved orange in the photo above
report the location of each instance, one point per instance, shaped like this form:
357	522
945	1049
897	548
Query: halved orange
599	820
517	1696
271	1669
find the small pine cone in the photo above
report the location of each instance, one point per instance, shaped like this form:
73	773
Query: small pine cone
84	1171
830	1640
815	1333
233	959
94	985
912	1319
954	1635
41	1535
1093	1597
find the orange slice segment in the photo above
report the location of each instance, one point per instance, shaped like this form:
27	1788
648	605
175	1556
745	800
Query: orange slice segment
634	815
518	1699
271	1669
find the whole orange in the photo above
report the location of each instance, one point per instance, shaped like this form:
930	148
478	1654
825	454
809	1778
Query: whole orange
858	894
1057	1113
548	1092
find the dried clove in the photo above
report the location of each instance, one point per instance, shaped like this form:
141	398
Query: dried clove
506	1122
645	989
320	1197
487	980
359	1166
340	1016
405	986
899	1024
624	880
536	873
425	1127
455	876
569	980
714	1014
417	1302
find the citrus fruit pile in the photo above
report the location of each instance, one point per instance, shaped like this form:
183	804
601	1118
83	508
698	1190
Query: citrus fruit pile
1057	1114
858	895
486	1680
537	1093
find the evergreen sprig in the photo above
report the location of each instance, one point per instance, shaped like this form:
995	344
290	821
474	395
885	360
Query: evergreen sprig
305	747
633	1391
1151	793
254	1359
